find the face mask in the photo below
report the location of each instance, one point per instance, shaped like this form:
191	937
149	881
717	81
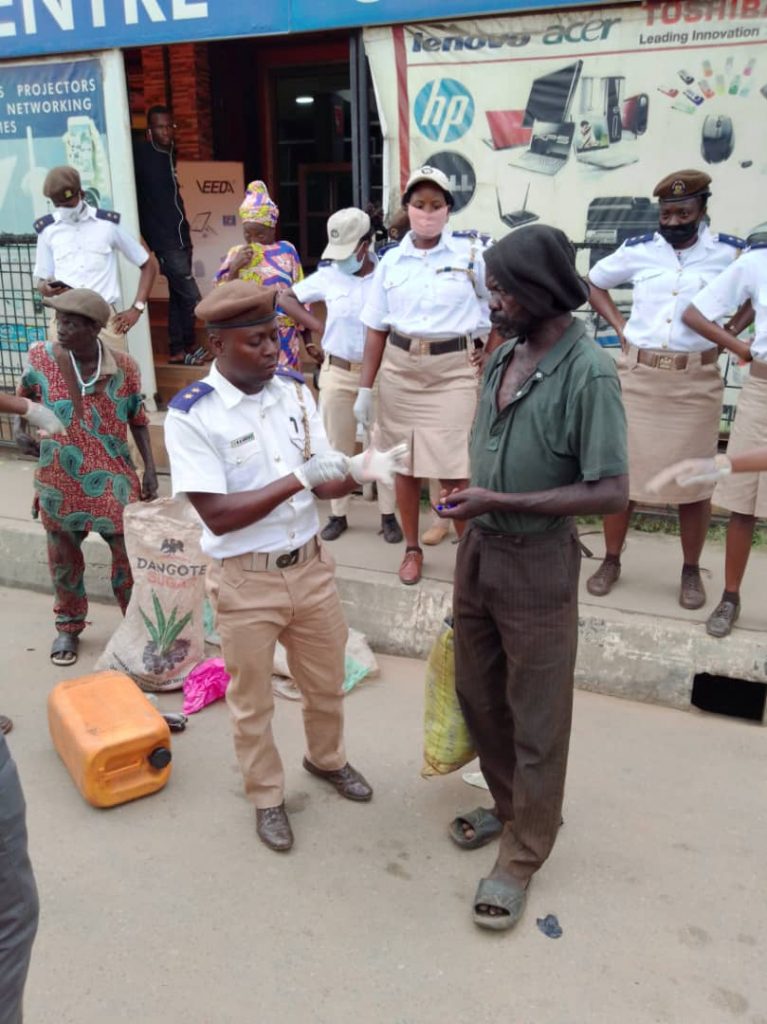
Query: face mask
351	264
428	225
678	234
72	214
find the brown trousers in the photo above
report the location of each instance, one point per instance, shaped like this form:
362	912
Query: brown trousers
516	635
300	607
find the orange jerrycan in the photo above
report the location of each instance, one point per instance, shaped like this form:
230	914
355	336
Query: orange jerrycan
115	744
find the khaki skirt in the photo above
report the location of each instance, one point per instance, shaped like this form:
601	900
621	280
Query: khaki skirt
428	402
671	415
747	492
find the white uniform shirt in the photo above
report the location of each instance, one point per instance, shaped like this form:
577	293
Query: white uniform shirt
230	442
664	285
84	254
344	295
432	293
746	279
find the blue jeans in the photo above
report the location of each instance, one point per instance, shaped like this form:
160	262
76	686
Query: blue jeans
18	892
183	293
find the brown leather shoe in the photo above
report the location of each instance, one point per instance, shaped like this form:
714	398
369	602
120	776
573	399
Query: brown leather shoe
273	828
691	592
410	569
347	781
435	534
604	579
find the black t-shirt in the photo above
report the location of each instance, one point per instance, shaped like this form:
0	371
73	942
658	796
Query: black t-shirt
160	207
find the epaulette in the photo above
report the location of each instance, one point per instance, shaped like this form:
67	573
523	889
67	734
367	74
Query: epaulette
325	263
42	222
756	245
110	215
386	248
184	399
290	374
732	240
638	239
483	238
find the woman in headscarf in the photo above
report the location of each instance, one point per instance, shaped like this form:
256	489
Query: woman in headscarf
268	262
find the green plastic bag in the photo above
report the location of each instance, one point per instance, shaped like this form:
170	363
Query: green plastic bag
447	745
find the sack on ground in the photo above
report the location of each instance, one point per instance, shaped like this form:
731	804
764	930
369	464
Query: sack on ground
447	744
161	637
359	663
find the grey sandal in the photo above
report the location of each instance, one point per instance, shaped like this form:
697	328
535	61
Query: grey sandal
64	649
508	897
486	827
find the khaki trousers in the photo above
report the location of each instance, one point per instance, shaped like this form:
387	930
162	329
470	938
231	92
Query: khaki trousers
300	607
338	390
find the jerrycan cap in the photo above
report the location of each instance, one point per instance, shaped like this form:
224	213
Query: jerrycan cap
160	758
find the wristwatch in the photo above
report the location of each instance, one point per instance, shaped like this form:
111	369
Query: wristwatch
140	306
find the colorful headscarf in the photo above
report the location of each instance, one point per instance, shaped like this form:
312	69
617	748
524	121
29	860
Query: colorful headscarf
258	207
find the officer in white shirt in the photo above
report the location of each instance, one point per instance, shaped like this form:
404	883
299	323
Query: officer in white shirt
742	287
671	385
247	448
427	305
77	247
343	284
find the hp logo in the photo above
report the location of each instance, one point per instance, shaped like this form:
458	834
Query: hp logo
444	110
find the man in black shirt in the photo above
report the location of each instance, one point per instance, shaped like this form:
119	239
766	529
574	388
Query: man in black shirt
165	228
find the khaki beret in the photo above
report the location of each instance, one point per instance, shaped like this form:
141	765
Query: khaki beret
237	304
82	301
62	183
682	185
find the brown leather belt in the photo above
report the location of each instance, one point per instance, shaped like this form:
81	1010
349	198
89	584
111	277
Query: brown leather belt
344	364
271	561
674	360
427	347
758	368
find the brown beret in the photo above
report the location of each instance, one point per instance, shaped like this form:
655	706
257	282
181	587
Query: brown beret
62	182
237	304
82	301
682	185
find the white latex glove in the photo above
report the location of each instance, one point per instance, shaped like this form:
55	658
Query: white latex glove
692	471
373	464
321	469
43	418
363	407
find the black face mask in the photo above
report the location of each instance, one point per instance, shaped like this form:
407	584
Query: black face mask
678	234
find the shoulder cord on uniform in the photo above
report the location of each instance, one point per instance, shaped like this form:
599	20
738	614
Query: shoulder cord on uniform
305	420
469	270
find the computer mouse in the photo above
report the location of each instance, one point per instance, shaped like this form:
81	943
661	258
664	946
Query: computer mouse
717	138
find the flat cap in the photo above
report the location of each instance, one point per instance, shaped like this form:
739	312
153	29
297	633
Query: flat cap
682	185
62	182
345	229
237	304
82	301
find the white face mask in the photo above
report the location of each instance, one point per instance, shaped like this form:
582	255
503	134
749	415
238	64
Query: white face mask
72	214
351	264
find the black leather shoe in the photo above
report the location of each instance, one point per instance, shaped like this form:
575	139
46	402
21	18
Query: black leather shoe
273	828
334	527
723	618
390	529
346	780
692	594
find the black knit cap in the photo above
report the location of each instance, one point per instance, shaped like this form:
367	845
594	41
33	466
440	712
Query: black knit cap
536	264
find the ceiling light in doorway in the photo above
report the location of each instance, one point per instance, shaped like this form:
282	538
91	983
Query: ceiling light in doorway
304	101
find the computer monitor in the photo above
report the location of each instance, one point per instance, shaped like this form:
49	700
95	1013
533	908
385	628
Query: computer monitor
551	95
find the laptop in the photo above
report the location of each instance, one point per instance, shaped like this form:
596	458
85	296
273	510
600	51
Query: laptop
518	217
506	129
593	146
549	148
608	159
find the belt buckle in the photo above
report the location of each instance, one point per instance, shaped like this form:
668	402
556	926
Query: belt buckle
423	347
286	559
665	362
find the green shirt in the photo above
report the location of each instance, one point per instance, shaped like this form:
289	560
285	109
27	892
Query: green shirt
565	424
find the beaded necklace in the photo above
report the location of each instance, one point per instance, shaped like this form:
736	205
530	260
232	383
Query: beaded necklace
85	384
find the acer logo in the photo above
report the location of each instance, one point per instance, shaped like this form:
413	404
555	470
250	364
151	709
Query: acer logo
213	186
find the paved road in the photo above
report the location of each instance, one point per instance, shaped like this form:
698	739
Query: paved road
169	910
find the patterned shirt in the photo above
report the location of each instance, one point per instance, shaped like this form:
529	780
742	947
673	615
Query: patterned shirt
85	478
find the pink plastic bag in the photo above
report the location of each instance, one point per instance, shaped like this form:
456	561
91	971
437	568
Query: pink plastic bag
205	684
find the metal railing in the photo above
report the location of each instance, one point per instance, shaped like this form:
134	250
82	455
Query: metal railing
22	314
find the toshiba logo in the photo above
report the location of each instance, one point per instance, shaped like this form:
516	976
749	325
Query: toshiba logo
217	187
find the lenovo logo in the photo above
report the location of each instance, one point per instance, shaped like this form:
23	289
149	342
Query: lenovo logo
212	186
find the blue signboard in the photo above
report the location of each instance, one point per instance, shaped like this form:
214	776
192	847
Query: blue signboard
34	27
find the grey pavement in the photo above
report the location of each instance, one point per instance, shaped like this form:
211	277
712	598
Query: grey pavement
169	911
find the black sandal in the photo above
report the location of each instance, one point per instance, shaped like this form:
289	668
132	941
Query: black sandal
64	650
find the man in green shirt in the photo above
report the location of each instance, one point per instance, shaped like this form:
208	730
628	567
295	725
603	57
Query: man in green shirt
549	443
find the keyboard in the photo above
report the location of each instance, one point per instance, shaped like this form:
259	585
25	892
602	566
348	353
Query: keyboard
539	162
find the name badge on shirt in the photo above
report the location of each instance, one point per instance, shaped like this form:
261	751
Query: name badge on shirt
242	440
